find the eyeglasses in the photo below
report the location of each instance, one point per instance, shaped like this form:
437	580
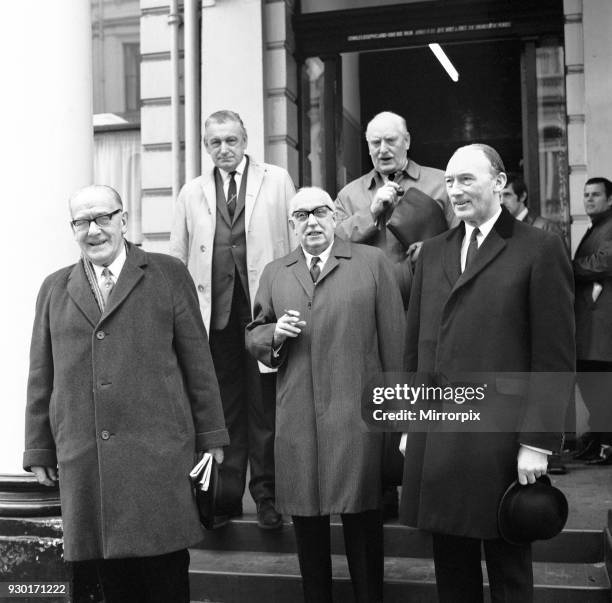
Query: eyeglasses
83	225
301	215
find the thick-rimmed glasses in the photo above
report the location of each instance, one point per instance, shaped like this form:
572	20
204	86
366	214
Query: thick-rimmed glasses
83	224
301	215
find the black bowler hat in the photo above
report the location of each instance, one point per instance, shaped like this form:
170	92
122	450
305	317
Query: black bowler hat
533	512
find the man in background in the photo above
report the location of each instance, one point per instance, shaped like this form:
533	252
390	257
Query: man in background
228	224
363	208
593	275
514	198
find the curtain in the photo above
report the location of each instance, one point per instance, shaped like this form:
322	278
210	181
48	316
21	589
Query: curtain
117	164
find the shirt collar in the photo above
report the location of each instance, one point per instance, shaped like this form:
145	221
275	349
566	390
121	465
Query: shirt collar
486	227
323	256
115	266
239	170
523	214
410	170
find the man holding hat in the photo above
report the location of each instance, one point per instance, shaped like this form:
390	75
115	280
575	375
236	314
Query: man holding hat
490	296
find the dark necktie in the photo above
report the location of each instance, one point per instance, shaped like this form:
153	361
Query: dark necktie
315	269
107	284
472	248
231	195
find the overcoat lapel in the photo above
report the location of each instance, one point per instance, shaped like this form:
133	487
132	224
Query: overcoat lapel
254	181
492	246
131	273
210	188
452	254
297	261
341	249
210	197
80	291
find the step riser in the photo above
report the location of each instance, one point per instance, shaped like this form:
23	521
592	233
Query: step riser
571	546
238	588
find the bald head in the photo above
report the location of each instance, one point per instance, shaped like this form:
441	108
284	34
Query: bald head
95	191
388	142
311	196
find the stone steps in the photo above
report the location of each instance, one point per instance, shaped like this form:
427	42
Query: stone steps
241	563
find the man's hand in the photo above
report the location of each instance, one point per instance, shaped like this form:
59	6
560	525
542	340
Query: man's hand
217	454
288	325
386	195
531	464
413	251
47	476
402	444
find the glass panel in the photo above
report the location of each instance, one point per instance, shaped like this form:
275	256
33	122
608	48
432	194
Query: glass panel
552	134
115	30
117	164
313	144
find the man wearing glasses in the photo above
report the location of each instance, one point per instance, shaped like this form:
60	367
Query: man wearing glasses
228	224
328	315
122	394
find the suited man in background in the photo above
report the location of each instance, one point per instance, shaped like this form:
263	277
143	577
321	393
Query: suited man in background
593	273
514	199
491	295
363	207
121	395
329	315
228	224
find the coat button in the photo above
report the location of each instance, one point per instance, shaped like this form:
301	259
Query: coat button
200	288
100	334
104	434
202	248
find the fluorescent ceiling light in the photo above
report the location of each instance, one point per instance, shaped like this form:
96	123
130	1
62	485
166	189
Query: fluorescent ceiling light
445	61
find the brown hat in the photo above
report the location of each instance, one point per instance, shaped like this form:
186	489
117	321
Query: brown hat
533	512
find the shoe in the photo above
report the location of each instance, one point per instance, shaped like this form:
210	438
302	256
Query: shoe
605	456
555	466
268	518
588	452
390	504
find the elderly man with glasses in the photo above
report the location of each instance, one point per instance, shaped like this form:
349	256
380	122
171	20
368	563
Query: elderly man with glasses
328	315
122	395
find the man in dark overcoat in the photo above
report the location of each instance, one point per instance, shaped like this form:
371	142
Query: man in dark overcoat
490	296
593	273
121	396
329	315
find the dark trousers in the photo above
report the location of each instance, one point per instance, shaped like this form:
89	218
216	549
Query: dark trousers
459	573
363	542
249	406
596	390
157	579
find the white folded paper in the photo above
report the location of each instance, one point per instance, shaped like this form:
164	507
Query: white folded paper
200	474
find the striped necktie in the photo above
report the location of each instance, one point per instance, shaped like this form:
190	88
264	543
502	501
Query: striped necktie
107	284
315	269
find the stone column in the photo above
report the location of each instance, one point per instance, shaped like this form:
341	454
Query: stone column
47	142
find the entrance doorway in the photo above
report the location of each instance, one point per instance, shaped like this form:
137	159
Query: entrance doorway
484	105
510	94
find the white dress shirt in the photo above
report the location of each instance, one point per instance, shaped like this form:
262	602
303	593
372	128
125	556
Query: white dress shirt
225	176
114	267
485	228
323	257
